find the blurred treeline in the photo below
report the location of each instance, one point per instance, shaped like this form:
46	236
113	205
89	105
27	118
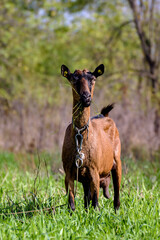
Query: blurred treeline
37	37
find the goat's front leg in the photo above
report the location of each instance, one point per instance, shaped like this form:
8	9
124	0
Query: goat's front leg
71	204
104	183
87	194
94	185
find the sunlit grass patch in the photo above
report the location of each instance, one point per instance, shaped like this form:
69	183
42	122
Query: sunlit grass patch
38	209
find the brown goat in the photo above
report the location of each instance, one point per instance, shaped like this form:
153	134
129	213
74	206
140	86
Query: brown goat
101	143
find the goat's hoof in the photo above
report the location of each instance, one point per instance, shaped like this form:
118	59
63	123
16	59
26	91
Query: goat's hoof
96	208
71	207
116	206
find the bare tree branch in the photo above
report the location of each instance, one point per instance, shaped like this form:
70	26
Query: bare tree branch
117	31
146	42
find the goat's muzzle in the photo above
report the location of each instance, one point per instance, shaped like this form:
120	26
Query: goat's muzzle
86	99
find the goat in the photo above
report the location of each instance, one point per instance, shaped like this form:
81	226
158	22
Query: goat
101	145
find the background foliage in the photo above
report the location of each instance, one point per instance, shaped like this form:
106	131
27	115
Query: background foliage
37	37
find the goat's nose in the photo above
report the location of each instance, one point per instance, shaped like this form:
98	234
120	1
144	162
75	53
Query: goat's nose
86	99
86	95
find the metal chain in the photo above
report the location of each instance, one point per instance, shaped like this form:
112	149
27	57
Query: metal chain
79	141
80	130
80	156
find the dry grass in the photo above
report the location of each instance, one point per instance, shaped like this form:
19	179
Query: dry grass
31	127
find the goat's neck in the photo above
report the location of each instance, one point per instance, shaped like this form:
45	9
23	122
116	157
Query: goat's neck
81	115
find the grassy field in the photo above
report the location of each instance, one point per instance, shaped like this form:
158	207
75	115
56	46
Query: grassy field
29	189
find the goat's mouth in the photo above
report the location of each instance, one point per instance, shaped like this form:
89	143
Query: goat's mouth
86	103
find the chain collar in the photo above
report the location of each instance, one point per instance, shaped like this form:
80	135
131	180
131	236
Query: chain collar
79	140
81	130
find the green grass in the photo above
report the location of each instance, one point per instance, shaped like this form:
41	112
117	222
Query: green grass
27	183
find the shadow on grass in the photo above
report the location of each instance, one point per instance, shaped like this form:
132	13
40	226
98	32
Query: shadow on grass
29	206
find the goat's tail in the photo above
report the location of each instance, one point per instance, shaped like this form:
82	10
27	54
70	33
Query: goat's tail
105	111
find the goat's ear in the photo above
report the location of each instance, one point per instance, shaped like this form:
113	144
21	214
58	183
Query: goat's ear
65	72
98	71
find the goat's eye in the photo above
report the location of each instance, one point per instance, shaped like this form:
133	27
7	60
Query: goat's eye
76	77
92	80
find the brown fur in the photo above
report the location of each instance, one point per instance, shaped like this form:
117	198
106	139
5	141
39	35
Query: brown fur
101	148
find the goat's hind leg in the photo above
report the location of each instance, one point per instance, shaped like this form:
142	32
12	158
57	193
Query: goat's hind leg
104	183
66	184
116	175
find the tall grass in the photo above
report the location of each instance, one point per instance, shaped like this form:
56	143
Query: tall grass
33	205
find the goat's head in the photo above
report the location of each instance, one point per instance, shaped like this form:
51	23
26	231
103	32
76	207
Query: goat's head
82	83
